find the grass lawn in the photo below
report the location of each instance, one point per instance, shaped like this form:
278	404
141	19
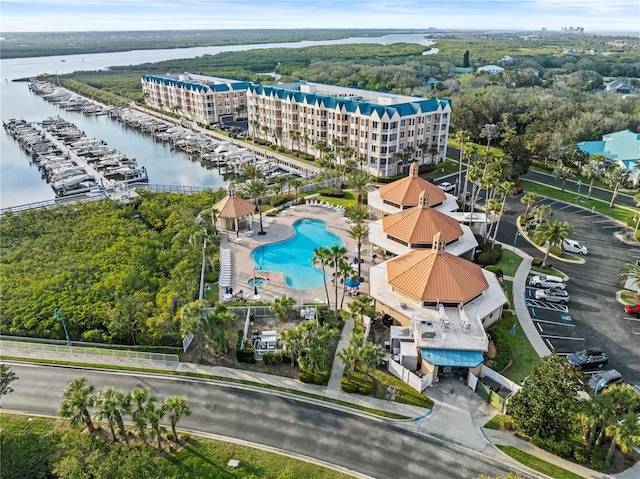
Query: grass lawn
500	422
629	297
23	441
507	266
508	285
406	394
549	271
601	206
523	355
349	199
538	464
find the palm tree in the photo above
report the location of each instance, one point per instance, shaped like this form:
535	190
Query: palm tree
154	415
305	139
540	212
295	183
292	340
336	256
357	213
176	407
470	153
252	171
359	232
593	169
320	146
490	131
616	177
254	124
562	172
140	397
345	271
358	182
216	329
593	413
315	359
110	404
265	130
371	356
191	315
494	207
505	190
349	357
359	307
624	433
77	398
462	138
256	189
346	153
322	256
552	232
528	199
631	271
277	133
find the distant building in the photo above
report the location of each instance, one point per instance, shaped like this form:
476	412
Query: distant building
621	147
203	99
385	131
493	69
618	86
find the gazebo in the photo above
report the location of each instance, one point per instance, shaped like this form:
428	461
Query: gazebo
234	213
405	192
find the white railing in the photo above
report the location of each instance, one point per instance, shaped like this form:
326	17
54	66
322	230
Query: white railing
112	353
486	371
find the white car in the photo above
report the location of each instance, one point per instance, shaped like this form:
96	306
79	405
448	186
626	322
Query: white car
552	295
547	281
447	187
573	246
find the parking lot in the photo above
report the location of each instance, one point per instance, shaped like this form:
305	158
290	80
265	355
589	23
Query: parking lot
593	317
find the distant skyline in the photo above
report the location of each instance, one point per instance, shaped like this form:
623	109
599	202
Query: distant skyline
110	15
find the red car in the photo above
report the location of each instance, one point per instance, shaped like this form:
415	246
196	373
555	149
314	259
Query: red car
633	309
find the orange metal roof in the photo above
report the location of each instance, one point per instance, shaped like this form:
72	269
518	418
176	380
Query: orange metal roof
419	225
234	207
431	275
406	191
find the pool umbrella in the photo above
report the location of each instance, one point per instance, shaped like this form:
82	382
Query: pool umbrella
355	260
352	282
226	290
256	295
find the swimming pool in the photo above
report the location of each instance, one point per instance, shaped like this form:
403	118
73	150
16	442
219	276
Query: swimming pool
293	256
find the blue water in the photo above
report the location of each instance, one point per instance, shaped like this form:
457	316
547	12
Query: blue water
293	256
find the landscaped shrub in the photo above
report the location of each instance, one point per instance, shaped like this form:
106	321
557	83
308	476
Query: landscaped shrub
332	192
537	262
503	348
495	270
95	336
557	447
211	277
272	358
320	378
281	150
486	258
580	454
246	355
598	456
557	251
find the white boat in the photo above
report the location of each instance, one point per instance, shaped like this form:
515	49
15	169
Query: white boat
70	182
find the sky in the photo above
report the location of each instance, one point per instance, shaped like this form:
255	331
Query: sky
110	15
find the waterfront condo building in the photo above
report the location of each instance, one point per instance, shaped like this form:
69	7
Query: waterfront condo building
200	98
383	132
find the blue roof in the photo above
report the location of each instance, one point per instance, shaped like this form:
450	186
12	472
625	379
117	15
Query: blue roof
352	106
621	146
196	86
452	357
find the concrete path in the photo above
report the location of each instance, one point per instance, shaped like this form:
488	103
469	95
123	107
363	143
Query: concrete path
337	369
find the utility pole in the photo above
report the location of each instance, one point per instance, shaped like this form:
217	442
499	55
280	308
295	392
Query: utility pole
57	314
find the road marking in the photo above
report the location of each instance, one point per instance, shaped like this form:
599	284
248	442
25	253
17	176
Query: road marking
602	221
561	337
607	227
629	318
551	347
565	207
553	203
557	324
533	312
539	328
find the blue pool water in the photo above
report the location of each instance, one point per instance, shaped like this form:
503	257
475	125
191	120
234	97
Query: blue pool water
293	256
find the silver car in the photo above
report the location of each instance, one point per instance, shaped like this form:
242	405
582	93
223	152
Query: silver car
547	281
552	295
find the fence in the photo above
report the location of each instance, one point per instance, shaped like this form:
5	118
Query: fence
492	387
416	382
112	353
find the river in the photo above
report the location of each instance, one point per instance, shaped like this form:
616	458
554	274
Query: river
22	183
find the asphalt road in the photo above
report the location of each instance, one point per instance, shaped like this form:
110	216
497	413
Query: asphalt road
597	318
370	446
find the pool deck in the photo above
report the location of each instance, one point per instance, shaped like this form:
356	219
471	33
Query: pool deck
280	229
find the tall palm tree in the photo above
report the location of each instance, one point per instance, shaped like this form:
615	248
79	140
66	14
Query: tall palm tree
77	398
295	183
505	190
252	171
490	131
562	172
616	177
631	271
277	131
624	433
371	356
346	153
541	212
593	169
110	404
359	232
140	398
359	307
321	146
292	340
305	140
336	256
528	199
154	415
358	182
462	137
470	153
191	315
593	413
256	189
315	359
552	232
345	271
176	407
265	130
321	256
349	357
357	213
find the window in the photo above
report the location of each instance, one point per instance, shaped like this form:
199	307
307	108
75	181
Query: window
385	137
403	122
385	126
401	135
427	129
374	136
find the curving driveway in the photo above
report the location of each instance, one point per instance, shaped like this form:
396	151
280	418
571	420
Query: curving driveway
598	319
371	447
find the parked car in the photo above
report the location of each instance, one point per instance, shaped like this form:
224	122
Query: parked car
552	295
632	309
447	187
547	281
591	358
573	246
603	379
518	189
